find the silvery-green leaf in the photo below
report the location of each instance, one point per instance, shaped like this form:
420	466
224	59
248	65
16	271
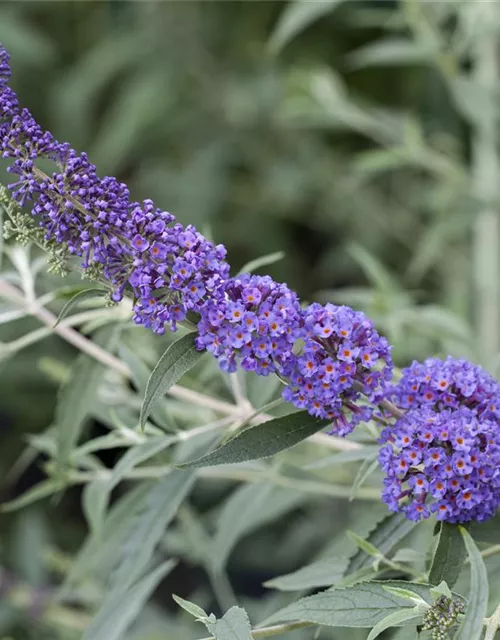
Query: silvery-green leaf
119	610
178	359
475	612
262	440
449	556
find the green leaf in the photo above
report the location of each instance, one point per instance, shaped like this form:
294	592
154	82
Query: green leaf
86	294
355	455
234	625
472	623
190	607
38	492
296	17
120	609
98	556
158	509
364	545
369	466
263	261
389	51
449	556
96	494
94	503
394	620
248	508
384	537
263	440
362	605
322	573
180	357
486	531
77	396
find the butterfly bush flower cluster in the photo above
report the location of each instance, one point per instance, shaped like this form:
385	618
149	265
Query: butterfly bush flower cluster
256	325
168	269
442	454
445	463
342	355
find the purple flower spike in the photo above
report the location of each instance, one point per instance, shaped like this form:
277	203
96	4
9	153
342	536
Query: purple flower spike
460	478
136	247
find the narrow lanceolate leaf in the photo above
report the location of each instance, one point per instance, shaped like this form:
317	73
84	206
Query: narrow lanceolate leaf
99	555
322	573
158	509
263	440
237	517
386	535
79	297
120	610
296	17
362	605
96	494
77	396
472	623
178	359
234	625
190	607
449	556
370	464
263	261
248	508
38	492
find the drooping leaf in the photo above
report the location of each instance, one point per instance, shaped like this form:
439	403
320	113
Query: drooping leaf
475	612
263	261
158	509
120	609
296	17
234	625
77	396
362	605
449	556
178	359
322	573
384	537
79	297
262	440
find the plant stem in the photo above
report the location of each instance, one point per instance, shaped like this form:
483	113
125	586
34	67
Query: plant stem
485	171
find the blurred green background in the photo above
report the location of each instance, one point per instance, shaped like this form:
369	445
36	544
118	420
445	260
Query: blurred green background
359	138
